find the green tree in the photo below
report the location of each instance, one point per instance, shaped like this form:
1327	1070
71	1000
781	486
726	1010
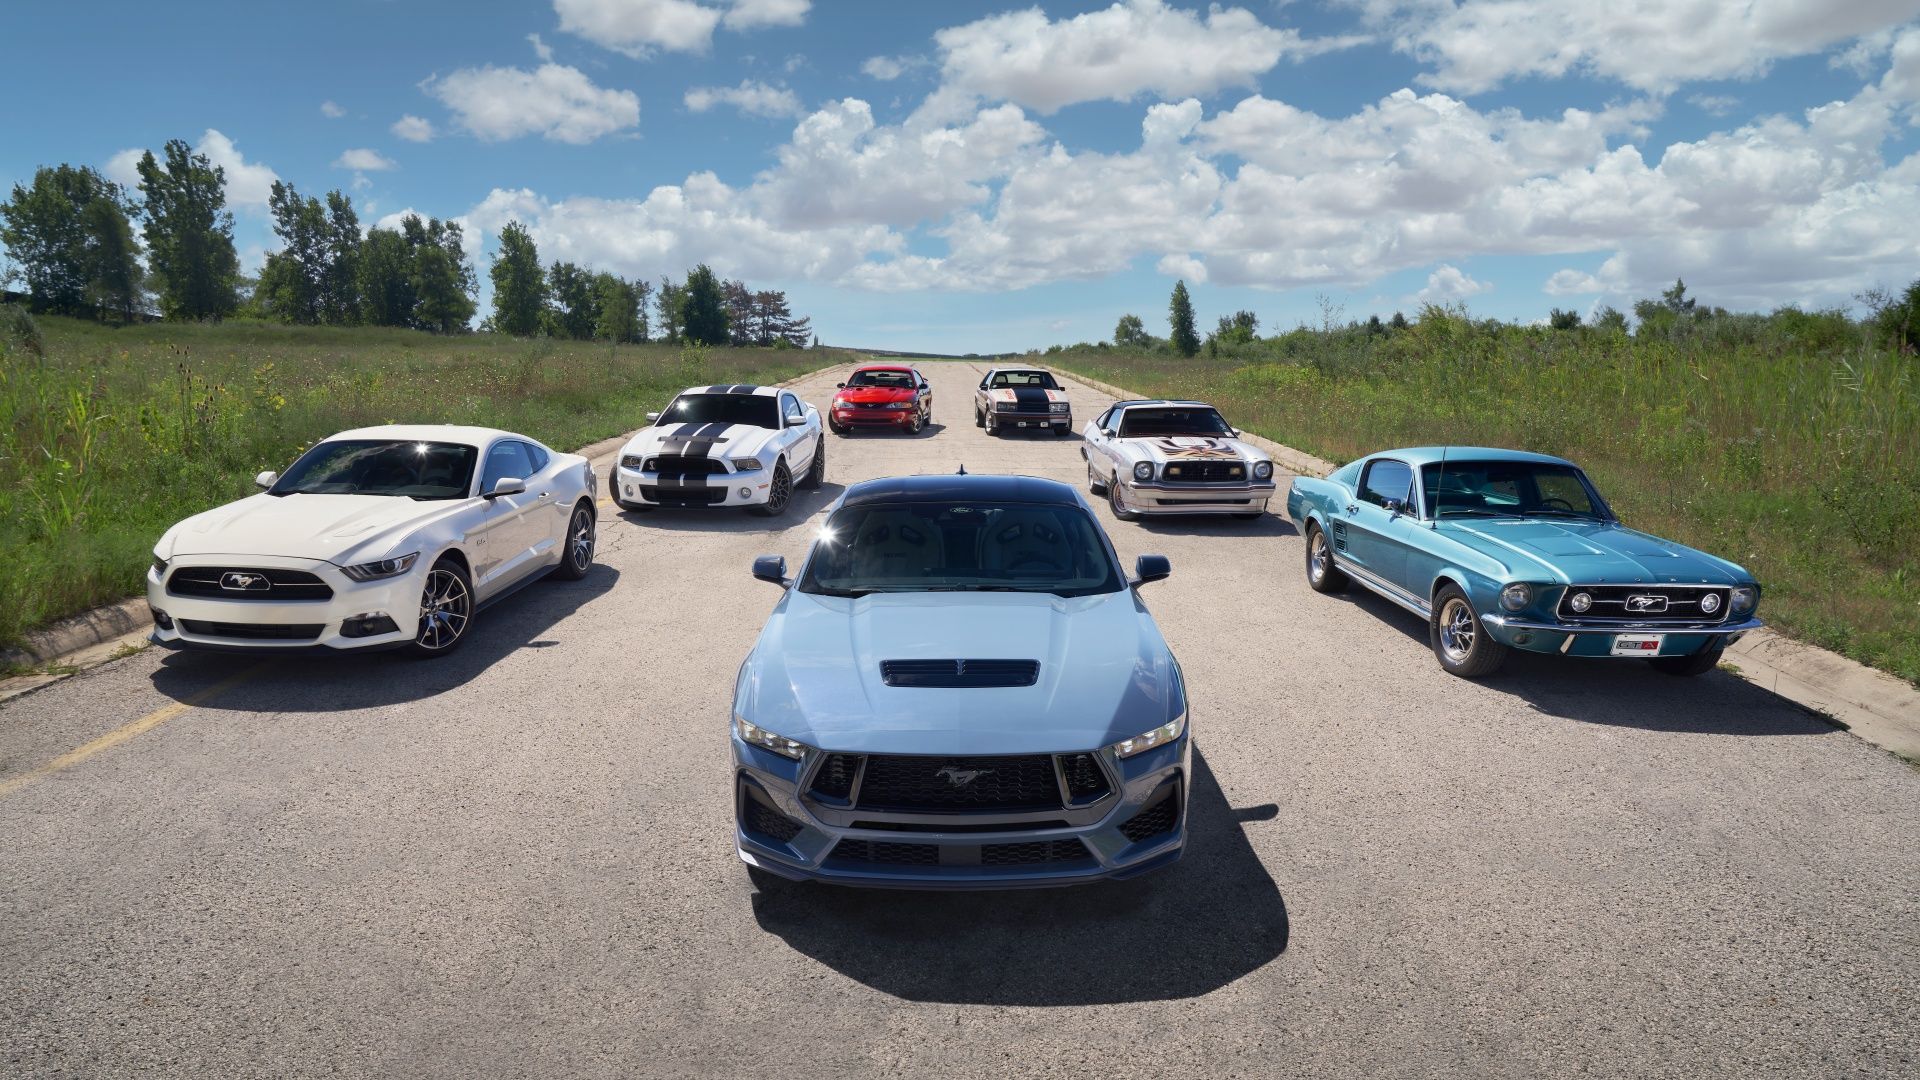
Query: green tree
189	234
1564	320
340	276
519	286
1610	320
443	280
69	232
571	292
616	309
703	310
1398	322
1186	341
1131	333
667	303
384	278
291	282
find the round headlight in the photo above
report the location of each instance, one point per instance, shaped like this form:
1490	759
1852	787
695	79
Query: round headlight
1263	470
1744	597
1143	471
1516	596
1710	603
1580	602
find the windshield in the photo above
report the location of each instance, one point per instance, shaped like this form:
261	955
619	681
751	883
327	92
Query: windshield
1135	423
969	547
416	470
902	379
1509	489
1041	379
753	410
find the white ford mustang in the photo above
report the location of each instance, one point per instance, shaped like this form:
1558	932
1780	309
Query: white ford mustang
723	445
383	537
1174	457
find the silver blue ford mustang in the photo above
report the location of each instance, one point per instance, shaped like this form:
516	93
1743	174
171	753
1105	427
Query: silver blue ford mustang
960	689
1501	549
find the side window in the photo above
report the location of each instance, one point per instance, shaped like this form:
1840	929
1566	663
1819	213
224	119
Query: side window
507	458
1387	481
536	456
791	405
1104	419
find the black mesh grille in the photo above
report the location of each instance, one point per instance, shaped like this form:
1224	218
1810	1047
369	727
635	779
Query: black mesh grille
254	631
681	465
1181	471
767	822
835	778
882	851
1085	782
959	673
692	496
1032	852
1159	818
247	583
1675	603
950	826
959	783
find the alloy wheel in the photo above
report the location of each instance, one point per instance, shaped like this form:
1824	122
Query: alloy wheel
445	607
580	549
1317	556
1457	630
779	491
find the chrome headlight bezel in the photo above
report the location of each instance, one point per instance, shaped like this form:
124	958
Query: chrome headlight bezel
1743	599
381	569
754	735
1143	471
1516	596
1151	738
1263	470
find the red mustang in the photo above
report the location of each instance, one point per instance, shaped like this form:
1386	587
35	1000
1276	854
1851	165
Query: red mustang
882	395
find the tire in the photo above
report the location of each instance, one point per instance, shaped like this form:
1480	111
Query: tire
1120	513
1061	431
446	610
1687	666
992	426
838	430
979	420
779	493
816	472
1461	644
1329	578
1093	480
576	553
918	425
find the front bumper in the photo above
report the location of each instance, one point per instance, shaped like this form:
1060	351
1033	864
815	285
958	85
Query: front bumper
1032	420
899	418
723	489
1089	840
1195	498
241	625
1592	640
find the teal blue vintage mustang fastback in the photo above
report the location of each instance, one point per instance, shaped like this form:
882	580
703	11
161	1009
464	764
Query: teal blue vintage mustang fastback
1500	549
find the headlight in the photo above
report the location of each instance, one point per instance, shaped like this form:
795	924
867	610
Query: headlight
1580	602
1060	407
899	406
1263	470
754	735
1003	406
1143	471
159	567
1710	603
746	464
631	461
1744	597
385	568
1516	596
1146	741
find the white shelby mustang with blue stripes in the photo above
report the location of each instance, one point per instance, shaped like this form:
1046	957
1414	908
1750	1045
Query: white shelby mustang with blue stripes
728	445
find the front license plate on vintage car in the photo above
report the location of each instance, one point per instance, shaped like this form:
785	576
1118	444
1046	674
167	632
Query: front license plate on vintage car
1637	644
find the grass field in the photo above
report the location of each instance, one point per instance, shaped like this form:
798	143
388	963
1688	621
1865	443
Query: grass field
113	434
1784	443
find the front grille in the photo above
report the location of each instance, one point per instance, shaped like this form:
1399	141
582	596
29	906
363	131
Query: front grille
693	496
834	781
1159	818
1032	853
682	465
1203	472
1610	604
962	674
960	826
254	631
1086	781
770	823
882	851
959	783
280	585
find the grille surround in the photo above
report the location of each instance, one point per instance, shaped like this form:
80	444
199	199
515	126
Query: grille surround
284	586
683	465
1610	604
253	631
1160	817
913	784
959	674
1205	472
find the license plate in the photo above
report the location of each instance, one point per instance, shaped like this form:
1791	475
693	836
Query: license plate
1637	644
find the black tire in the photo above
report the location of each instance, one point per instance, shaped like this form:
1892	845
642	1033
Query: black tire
1326	577
816	472
613	492
779	493
1061	431
979	419
1093	480
576	554
919	424
1460	642
1120	513
446	610
838	430
1687	666
992	426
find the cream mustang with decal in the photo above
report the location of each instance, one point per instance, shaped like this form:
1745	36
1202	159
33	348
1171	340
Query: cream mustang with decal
1022	398
1174	457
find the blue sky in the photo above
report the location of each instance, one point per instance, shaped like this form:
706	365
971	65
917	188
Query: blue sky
980	177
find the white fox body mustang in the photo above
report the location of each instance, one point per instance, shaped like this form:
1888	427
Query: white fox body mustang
382	537
726	445
1174	457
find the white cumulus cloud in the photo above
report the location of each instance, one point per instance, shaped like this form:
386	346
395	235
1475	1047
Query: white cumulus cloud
331	111
753	14
750	97
413	128
1448	284
364	160
884	68
248	182
638	28
554	101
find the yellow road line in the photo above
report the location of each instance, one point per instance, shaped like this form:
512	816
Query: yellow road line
127	731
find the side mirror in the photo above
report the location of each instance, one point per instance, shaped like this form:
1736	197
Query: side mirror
771	568
1107	431
796	421
839	386
1150	568
1392	507
506	485
265	479
653	418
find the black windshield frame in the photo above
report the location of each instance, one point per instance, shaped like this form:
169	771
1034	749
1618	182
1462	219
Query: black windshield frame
1095	566
704	408
416	461
1041	380
1141	416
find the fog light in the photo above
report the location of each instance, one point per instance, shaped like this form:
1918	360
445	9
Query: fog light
372	624
161	619
746	493
1710	603
1580	602
629	489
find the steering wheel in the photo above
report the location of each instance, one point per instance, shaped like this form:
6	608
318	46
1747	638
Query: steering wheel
1034	564
1564	504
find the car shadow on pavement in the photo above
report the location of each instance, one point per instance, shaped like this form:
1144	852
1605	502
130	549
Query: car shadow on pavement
1217	525
932	428
305	683
733	519
1208	920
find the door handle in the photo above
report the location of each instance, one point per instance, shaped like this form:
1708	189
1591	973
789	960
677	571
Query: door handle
544	494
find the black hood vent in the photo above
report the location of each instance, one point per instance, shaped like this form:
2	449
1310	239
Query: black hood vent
959	673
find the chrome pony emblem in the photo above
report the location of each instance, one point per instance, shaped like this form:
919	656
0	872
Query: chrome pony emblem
235	581
962	777
1642	604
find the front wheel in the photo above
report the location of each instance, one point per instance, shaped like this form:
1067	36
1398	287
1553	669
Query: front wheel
576	558
1120	511
1461	644
1093	480
1061	431
446	610
1686	666
779	493
1322	575
837	429
992	425
979	419
915	425
816	472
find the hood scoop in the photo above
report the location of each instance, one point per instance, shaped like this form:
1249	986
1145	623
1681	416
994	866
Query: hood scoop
959	674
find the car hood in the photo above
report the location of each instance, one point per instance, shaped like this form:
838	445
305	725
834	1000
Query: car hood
700	440
1162	449
1026	394
322	527
1590	553
1105	673
866	395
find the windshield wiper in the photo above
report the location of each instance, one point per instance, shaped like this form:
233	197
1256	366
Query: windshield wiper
975	588
822	590
1462	511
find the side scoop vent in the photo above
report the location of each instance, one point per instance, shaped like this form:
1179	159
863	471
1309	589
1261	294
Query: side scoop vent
949	674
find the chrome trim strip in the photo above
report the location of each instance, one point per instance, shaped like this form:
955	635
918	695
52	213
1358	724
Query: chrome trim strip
1714	629
1386	591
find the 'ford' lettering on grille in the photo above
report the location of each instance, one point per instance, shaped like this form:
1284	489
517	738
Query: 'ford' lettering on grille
1642	604
239	582
962	777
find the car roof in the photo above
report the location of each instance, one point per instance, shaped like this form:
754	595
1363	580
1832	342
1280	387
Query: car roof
883	367
453	433
734	388
1171	402
1018	370
969	487
1432	455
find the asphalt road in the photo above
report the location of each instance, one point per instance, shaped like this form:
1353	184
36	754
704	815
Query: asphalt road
516	861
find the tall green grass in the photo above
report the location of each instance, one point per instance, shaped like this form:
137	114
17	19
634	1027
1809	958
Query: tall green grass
110	435
1788	443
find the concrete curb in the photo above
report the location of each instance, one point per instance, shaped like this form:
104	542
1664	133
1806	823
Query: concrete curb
1877	707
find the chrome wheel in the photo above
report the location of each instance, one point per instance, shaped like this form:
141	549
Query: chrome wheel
580	547
446	605
1317	558
1458	630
